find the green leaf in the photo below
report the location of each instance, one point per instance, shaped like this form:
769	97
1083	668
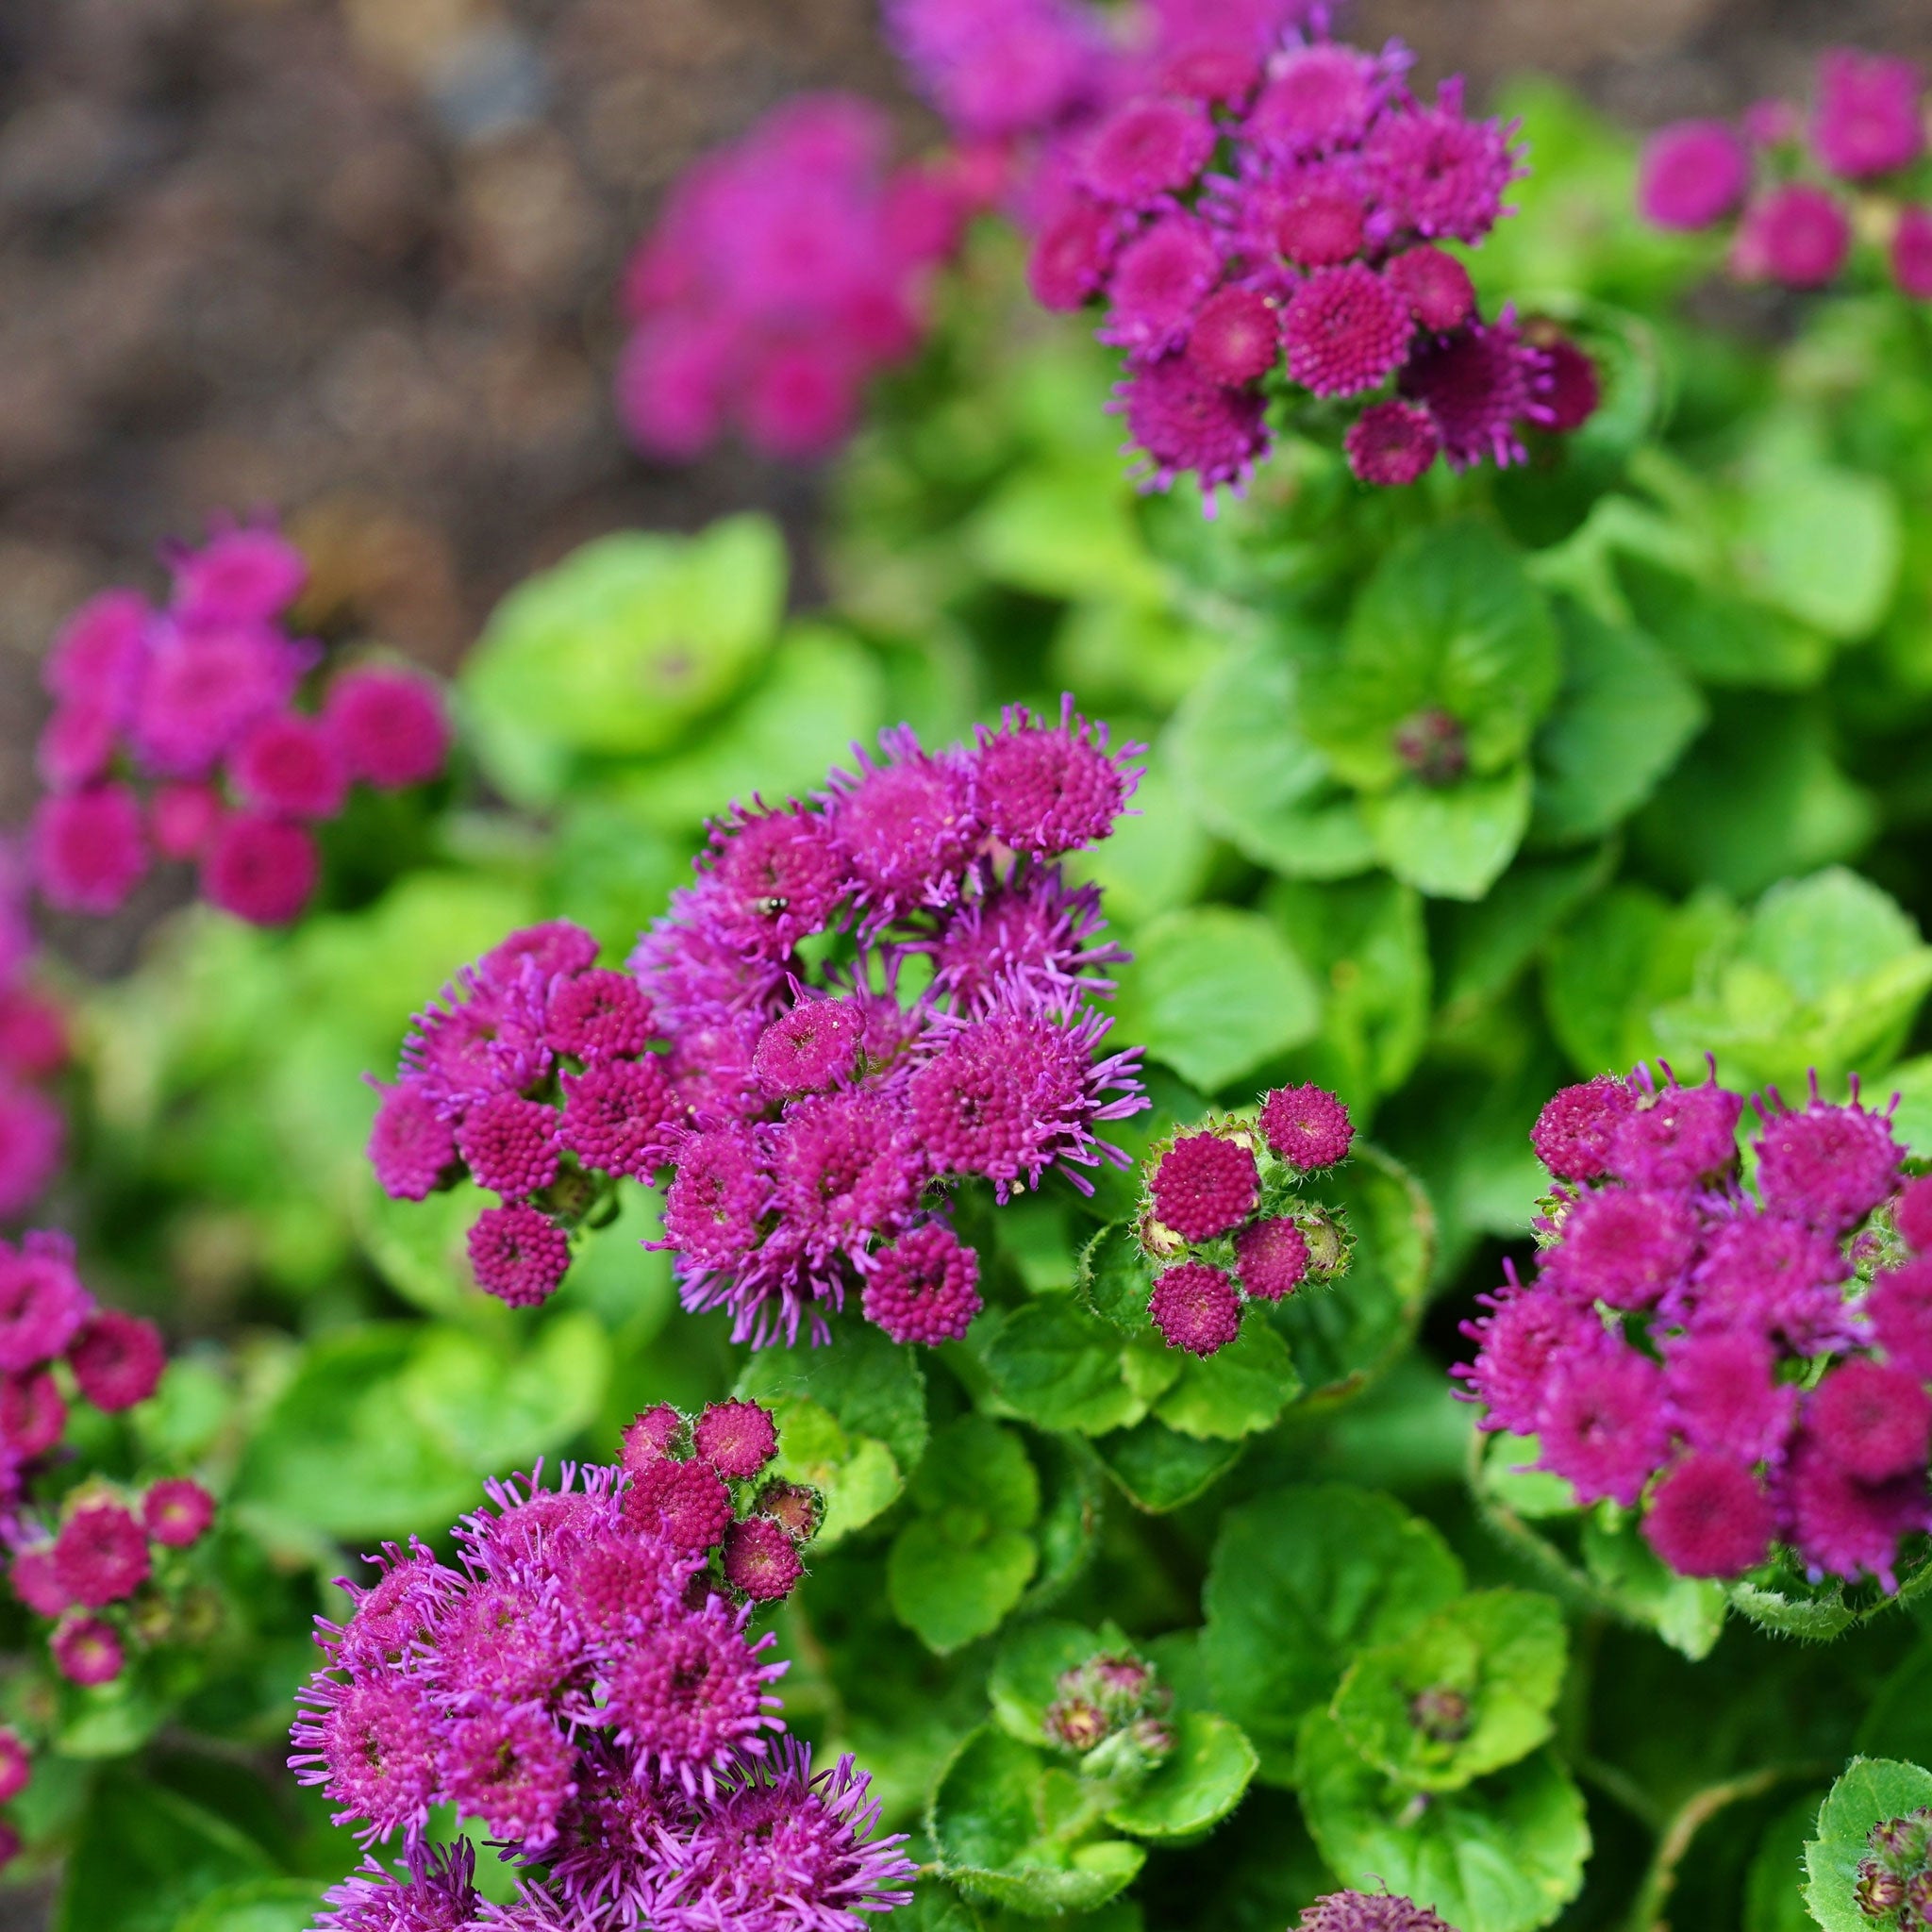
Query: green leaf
1774	1885
1486	945
1115	1279
1214	992
1829	974
1242	756
851	1421
1623	716
1343	1334
1823	545
1718	636
1816	1615
1072	1512
1300	1580
1205	1778
1912	1081
963	1562
617	649
1686	1611
1873	1791
1451	841
1155	858
1062	531
1364	942
1060	1367
1011	1828
257	1905
1503	1855
1158	1469
1232	1393
146	1854
1500	1652
1449	621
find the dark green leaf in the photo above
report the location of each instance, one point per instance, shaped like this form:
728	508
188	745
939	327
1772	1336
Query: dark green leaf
1159	1470
1060	1368
257	1905
1115	1279
1232	1393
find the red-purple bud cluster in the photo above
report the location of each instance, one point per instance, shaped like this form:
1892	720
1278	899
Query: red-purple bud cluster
1224	1220
1261	220
1789	179
1894	1878
584	1686
809	1114
177	733
783	273
1749	1369
1114	1700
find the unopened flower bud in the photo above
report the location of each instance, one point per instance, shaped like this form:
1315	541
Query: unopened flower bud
796	1507
1441	1714
1432	745
1078	1724
1879	1892
1154	1737
1327	1240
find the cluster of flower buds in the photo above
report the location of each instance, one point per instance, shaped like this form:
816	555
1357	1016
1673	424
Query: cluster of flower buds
33	1049
1225	1221
1110	1713
1749	1369
177	732
783	273
1894	1883
1254	227
584	1686
811	1114
1802	187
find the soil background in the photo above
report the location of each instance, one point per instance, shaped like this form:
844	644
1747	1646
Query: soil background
353	260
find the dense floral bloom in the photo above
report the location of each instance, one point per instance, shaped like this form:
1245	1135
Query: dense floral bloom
1368	1911
998	68
518	1253
783	271
1204	1185
101	1555
1868	118
1714	1355
33	1135
1271	1259
1307	1127
1798	236
1481	385
117	1360
86	1651
177	1513
1392	443
1694	174
182	730
586	1686
924	1287
1346	330
1195	1308
1910	253
1184	421
411	1146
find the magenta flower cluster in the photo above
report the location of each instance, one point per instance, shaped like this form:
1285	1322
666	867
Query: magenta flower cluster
584	1683
177	732
1224	1221
1789	179
1368	1911
812	1106
1746	1368
1252	226
33	1050
783	273
97	1560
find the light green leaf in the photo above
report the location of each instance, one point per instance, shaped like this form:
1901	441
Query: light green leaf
1206	1777
257	1905
1498	1654
1823	545
1451	841
951	1578
1214	992
1014	1829
1060	1367
617	649
1239	753
1236	1392
1503	1855
1031	1662
1448	623
1871	1791
1300	1580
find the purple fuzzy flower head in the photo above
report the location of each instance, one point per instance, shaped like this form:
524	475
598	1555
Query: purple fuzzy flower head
1204	1185
775	877
509	1145
597	1015
1159	283
1841	1524
1677	1137
1184	421
1480	385
1434	285
1271	1259
924	1287
518	1253
1693	173
810	1048
1725	1396
1236	337
1869	118
1392	443
1603	1425
33	1135
88	847
1196	1309
1307	1127
410	1146
1146	150
995	67
1710	1517
1625	1248
1319	98
1798	236
1900	1309
434	1890
1072	252
1774	1278
1438	172
1872	1419
907	824
1826	1166
1574	1132
42	1304
1346	330
1046	788
1368	1911
1520	1343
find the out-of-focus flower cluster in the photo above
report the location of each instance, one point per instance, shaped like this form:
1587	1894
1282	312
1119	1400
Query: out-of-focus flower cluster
1748	1368
862	999
33	1049
1894	1882
99	1561
1800	187
583	1682
1224	1219
784	272
177	733
1110	1713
